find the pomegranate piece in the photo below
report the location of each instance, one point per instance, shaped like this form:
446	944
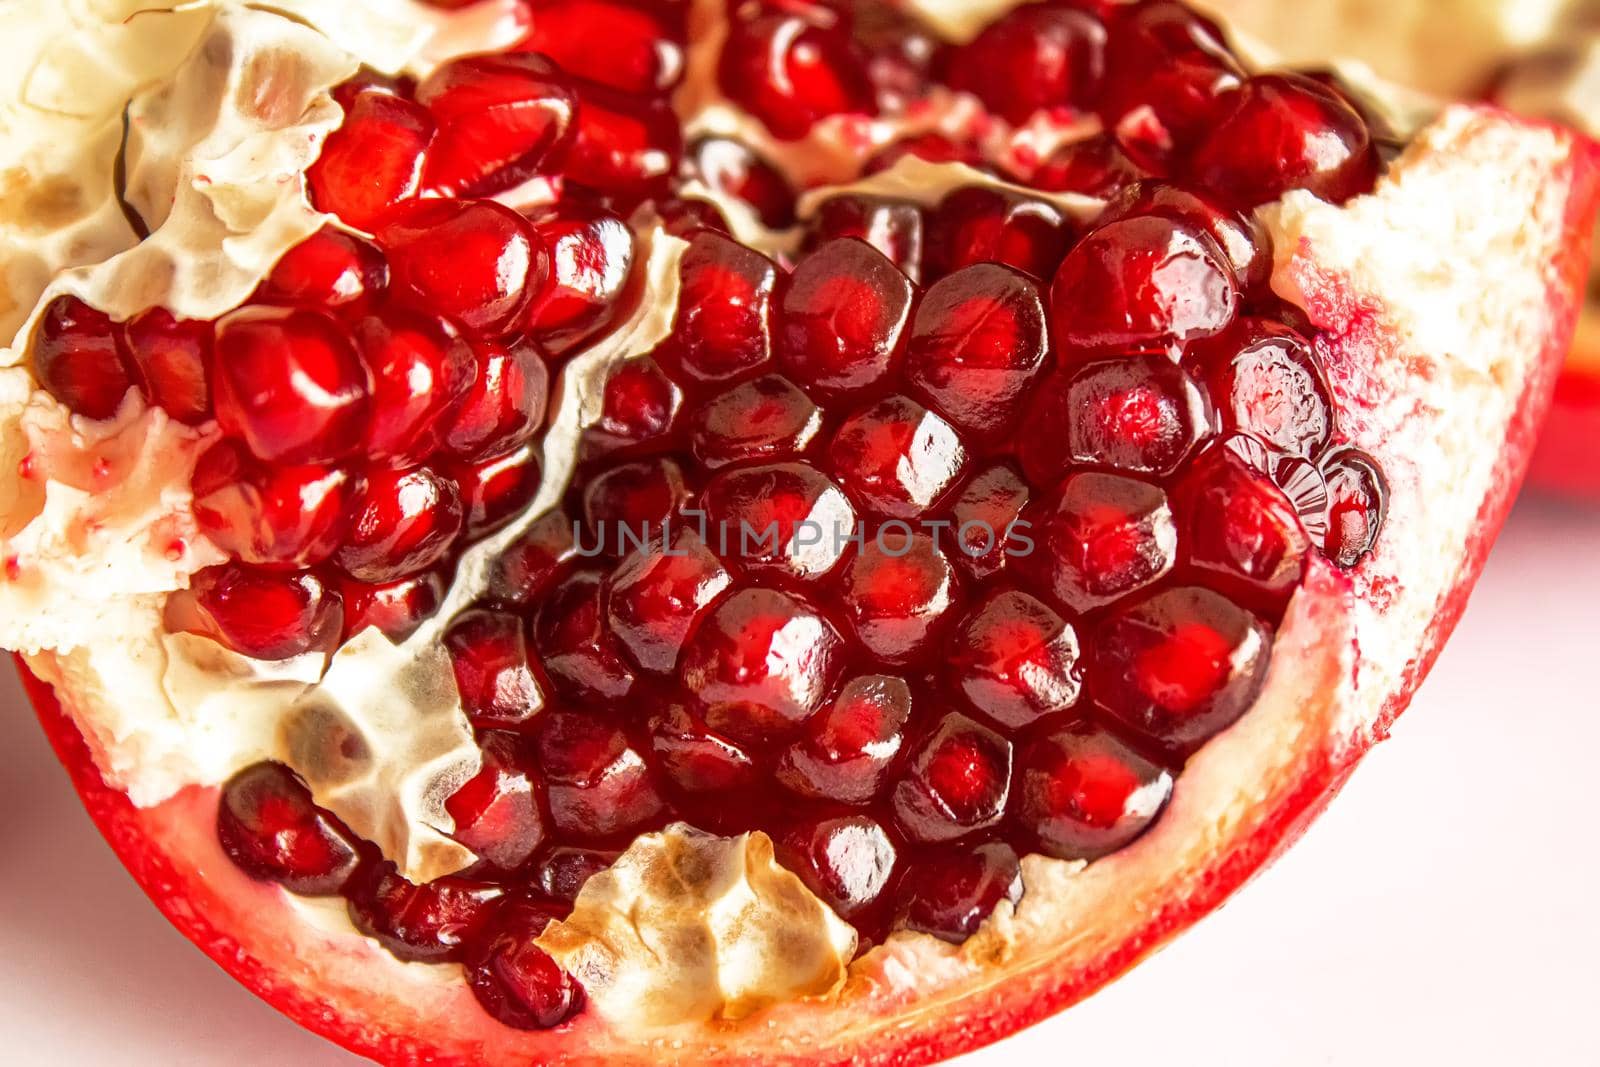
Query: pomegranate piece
1083	794
505	406
894	227
897	457
570	635
761	664
534	562
731	168
599	786
260	614
766	418
496	490
270	827
844	316
1358	500
502	119
1239	532
591	264
331	269
785	519
421	371
498	683
977	224
432	923
1038	56
631	47
848	861
1101	537
792	69
1179	667
1266	382
848	748
950	893
471	261
655	597
373	161
627	507
396	609
514	979
1015	660
985	520
171	360
498	812
269	515
76	359
697	760
637	405
956	783
625	146
406	522
977	344
725	309
900	594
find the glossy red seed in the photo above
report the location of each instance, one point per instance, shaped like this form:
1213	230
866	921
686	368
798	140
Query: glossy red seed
591	263
896	457
688	218
571	638
626	146
978	224
848	748
1242	238
76	359
502	119
505	406
599	786
950	893
900	595
1083	794
373	161
499	812
498	682
1358	500
725	309
791	72
271	515
956	783
1166	68
471	261
731	168
638	405
494	491
421	372
784	518
930	147
1095	166
761	663
1266	381
405	522
534	561
767	418
1015	660
171	360
1101	537
395	609
1037	56
1239	531
432	923
331	269
272	829
977	343
893	226
290	384
631	47
656	595
846	860
514	979
261	614
696	759
627	507
562	871
984	521
1179	667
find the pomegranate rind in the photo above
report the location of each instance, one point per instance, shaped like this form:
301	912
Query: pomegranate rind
1567	461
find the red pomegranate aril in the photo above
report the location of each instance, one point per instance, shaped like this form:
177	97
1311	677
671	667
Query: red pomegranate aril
373	161
1037	57
978	224
627	507
498	812
928	147
76	359
897	458
271	828
638	405
570	636
270	515
534	561
950	893
514	979
978	341
848	748
1095	166
505	406
369	80
655	597
761	664
626	146
471	261
591	264
432	923
1280	132
725	309
984	520
784	518
394	609
1083	794
767	418
1239	532
265	615
290	384
688	217
731	168
1136	414
498	683
893	226
792	72
502	119
331	269
171	360
697	760
1242	237
900	594
1166	67
956	784
1179	667
1142	282
599	787
421	371
405	522
846	860
562	871
497	490
1015	660
1101	537
903	52
631	47
1358	500
1265	381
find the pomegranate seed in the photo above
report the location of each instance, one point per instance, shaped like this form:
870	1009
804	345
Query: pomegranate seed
472	261
949	894
654	598
497	490
498	684
497	812
599	787
502	119
977	224
731	168
637	405
505	406
688	218
331	269
629	506
76	359
1240	532
562	871
694	758
514	979
784	519
395	609
256	613
291	385
725	309
1083	794
1101	537
761	663
1139	414
897	457
767	418
421	371
171	359
534	562
956	783
900	595
1179	667
1015	660
570	635
846	751
1038	56
1281	132
977	343
270	827
792	72
1242	238
1266	382
373	161
433	923
591	263
929	147
1358	498
847	861
632	48
985	518
1166	67
269	515
407	521
625	145
1095	166
368	80
894	227
902	52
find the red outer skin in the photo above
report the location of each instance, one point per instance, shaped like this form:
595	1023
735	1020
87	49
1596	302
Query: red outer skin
1567	461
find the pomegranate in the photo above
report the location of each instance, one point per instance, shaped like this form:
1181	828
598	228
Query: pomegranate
683	586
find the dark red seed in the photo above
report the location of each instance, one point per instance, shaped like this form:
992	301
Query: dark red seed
848	748
956	783
767	418
626	146
432	923
950	893
498	812
984	520
534	561
628	506
656	595
733	169
900	595
561	873
77	360
260	614
1166	68
1358	499
978	224
406	522
1015	660
591	264
373	161
725	309
514	979
897	458
395	609
894	227
638	405
1036	57
1083	794
272	829
1265	381
331	269
499	684
1243	238
846	860
495	491
270	515
633	48
505	406
792	72
1095	166
502	119
571	637
688	217
421	371
599	786
784	518
844	317
1240	532
696	759
1101	537
171	360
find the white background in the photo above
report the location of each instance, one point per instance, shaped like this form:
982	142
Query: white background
1445	911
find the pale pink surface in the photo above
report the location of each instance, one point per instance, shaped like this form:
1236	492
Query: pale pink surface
1442	911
